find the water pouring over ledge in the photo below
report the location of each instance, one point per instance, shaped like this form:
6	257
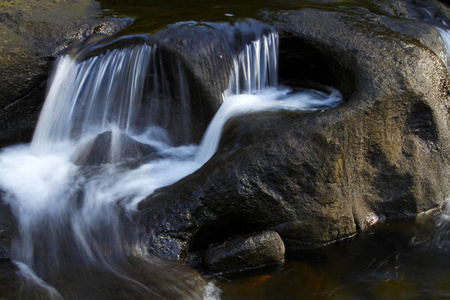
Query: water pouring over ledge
71	216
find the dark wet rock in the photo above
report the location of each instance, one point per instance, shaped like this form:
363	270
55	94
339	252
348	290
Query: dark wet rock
189	71
31	34
8	229
207	50
245	252
107	148
316	178
9	280
205	53
5	245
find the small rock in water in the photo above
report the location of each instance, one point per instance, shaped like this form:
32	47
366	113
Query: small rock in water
105	149
245	252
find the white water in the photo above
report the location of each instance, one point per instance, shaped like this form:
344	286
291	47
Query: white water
67	212
445	36
31	280
268	100
88	97
107	92
256	68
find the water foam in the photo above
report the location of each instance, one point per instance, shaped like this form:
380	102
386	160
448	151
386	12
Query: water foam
270	99
68	212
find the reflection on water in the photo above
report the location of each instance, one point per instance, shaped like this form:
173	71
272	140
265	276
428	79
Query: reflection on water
397	260
152	15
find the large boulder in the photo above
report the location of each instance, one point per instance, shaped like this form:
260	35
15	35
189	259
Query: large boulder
32	33
189	69
316	178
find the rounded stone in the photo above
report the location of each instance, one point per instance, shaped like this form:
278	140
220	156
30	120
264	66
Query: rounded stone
245	252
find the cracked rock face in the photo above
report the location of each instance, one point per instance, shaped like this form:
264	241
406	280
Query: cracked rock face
316	178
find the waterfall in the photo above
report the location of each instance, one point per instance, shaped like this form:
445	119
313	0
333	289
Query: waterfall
113	90
70	213
76	218
434	18
445	36
254	87
256	66
89	97
443	224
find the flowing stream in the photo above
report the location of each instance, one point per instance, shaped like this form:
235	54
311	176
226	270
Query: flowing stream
71	241
76	238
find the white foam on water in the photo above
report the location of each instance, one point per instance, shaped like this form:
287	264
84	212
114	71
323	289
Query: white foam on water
445	37
31	280
269	99
212	292
64	210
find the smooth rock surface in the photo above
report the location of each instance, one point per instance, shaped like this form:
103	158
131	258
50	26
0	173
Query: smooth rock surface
317	178
245	252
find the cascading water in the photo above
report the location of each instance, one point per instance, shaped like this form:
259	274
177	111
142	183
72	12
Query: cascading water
445	36
420	12
107	92
442	239
70	216
256	67
254	87
89	97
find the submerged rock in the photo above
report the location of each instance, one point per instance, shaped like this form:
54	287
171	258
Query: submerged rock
245	252
316	178
107	148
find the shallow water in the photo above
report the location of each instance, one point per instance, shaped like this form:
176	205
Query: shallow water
153	15
75	218
398	260
407	259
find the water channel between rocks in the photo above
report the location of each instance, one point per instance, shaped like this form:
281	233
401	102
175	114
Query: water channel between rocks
74	187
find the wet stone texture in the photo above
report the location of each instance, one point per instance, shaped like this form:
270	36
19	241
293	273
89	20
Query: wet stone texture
99	150
8	229
313	178
245	252
316	178
32	33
